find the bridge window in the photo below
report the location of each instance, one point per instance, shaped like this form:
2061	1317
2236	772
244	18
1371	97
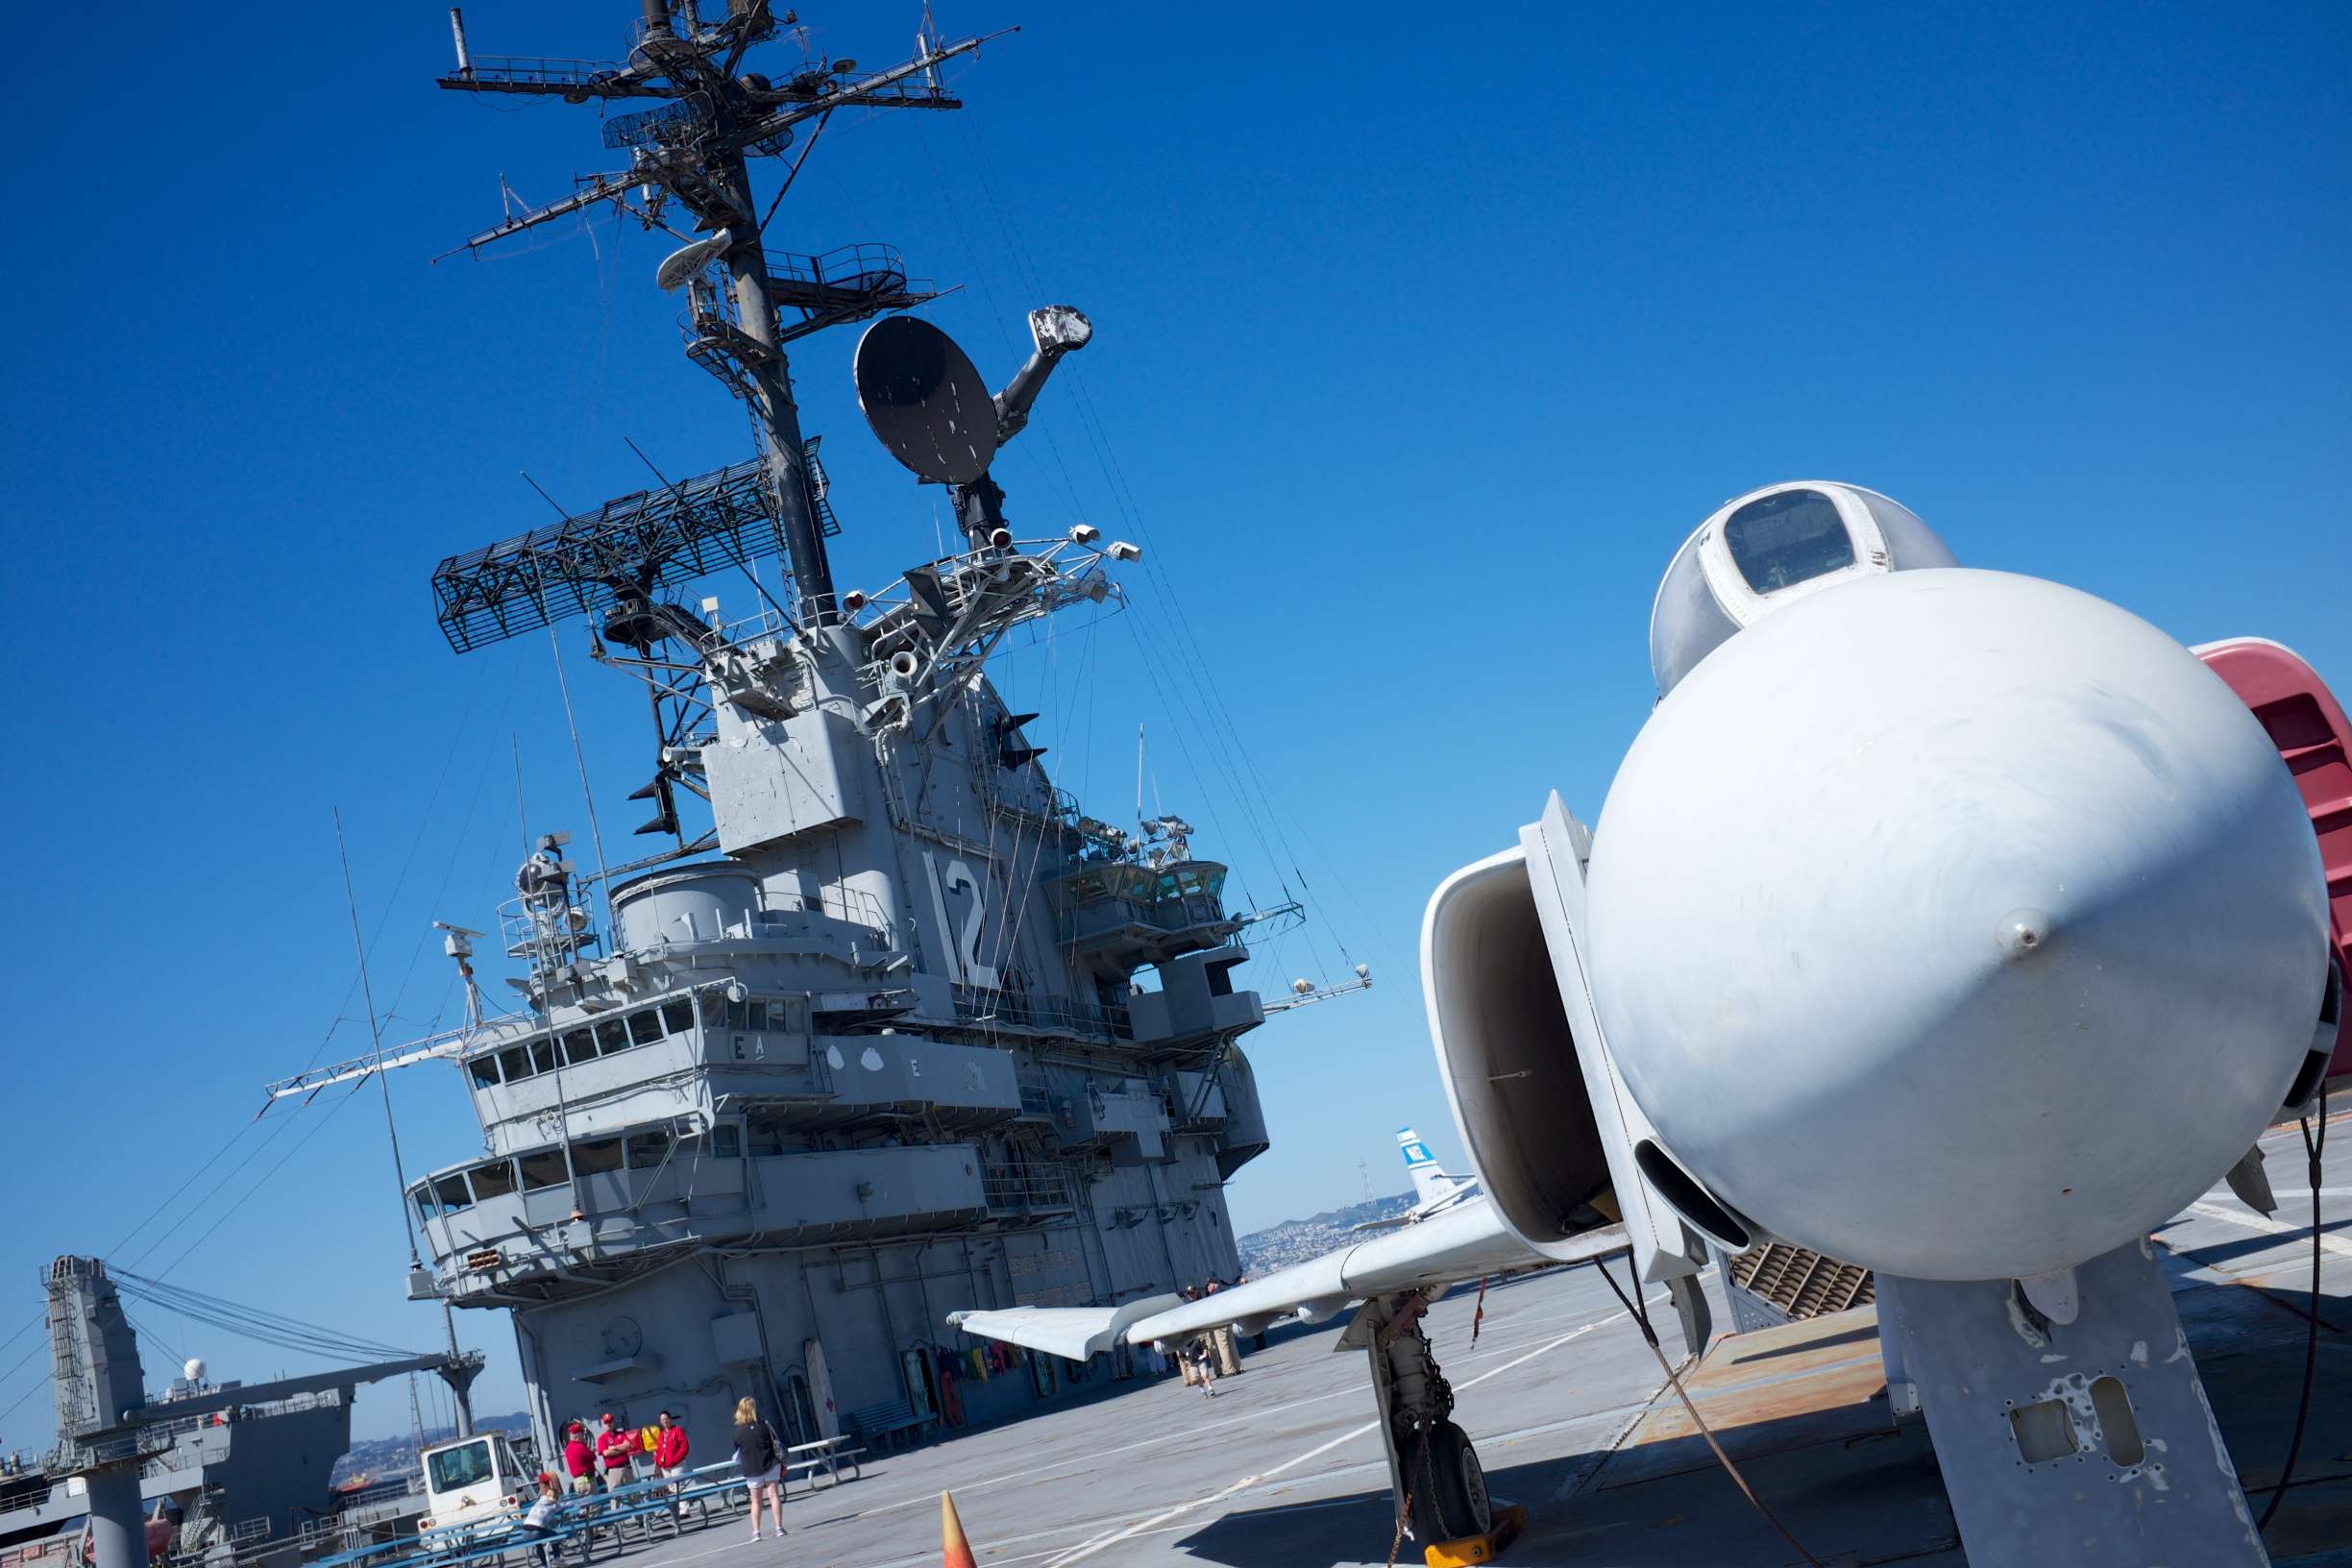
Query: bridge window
484	1069
424	1201
542	1169
763	1014
612	1034
579	1046
543	1055
678	1015
495	1180
451	1191
648	1150
515	1063
644	1028
726	1140
596	1158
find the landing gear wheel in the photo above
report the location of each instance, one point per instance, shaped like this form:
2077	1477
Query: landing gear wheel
1449	1487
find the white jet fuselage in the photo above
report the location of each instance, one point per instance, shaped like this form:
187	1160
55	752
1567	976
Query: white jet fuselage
1956	923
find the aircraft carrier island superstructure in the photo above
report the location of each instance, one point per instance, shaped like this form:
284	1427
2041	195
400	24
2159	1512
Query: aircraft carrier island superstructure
881	1059
904	1030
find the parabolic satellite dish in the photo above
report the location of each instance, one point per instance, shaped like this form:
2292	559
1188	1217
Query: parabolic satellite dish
925	402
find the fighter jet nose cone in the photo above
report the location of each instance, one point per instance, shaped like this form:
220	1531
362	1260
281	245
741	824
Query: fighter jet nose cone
2022	934
1800	865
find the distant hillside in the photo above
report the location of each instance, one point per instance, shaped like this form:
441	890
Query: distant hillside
1296	1241
379	1459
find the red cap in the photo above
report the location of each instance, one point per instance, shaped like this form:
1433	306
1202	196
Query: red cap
575	1426
608	1418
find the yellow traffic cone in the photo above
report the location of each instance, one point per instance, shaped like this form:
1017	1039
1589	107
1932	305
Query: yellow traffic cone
955	1551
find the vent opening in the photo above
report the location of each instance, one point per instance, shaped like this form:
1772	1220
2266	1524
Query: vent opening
1693	1202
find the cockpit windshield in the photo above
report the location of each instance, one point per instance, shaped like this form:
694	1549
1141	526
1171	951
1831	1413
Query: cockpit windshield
1788	538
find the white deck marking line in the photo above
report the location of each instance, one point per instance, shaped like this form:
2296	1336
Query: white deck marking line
2222	1190
1244	1418
1081	1553
1491	1440
2252	1221
929	1558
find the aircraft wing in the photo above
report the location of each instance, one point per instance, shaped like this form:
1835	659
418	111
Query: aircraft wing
1463	1242
1073	1332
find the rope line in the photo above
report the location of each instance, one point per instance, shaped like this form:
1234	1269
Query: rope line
1639	1310
2313	1148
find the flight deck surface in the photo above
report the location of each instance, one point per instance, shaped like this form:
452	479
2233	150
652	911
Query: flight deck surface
1573	1421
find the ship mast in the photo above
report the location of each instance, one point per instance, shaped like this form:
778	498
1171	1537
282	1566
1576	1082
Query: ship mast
697	151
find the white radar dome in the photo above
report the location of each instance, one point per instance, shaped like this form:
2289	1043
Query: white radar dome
194	1370
1957	924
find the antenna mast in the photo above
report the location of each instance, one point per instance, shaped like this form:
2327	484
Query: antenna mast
695	151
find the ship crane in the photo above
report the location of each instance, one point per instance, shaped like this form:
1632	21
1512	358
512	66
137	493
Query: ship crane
108	1426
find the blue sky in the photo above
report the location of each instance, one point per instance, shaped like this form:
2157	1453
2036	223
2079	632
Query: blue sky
1423	339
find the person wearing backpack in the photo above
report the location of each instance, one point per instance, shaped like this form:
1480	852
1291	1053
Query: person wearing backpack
761	1456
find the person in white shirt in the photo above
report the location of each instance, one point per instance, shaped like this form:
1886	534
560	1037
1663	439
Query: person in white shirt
538	1522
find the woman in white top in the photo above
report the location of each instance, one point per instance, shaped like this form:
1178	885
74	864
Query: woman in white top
539	1522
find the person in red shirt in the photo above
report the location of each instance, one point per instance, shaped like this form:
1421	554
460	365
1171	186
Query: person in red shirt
670	1446
614	1447
579	1459
670	1456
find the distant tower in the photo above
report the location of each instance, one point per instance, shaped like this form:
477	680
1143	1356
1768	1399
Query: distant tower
95	1371
1364	1168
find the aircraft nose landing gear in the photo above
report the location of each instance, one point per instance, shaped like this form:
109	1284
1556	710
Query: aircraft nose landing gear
1439	1487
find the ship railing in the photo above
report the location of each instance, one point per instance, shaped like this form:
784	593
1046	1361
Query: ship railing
557	936
40	1554
1102	918
854	905
375	1491
1036	1097
751	629
1025	1189
861	268
541	70
177	1427
1047	1014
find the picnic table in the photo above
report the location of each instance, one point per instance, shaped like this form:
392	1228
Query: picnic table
828	1455
581	1520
